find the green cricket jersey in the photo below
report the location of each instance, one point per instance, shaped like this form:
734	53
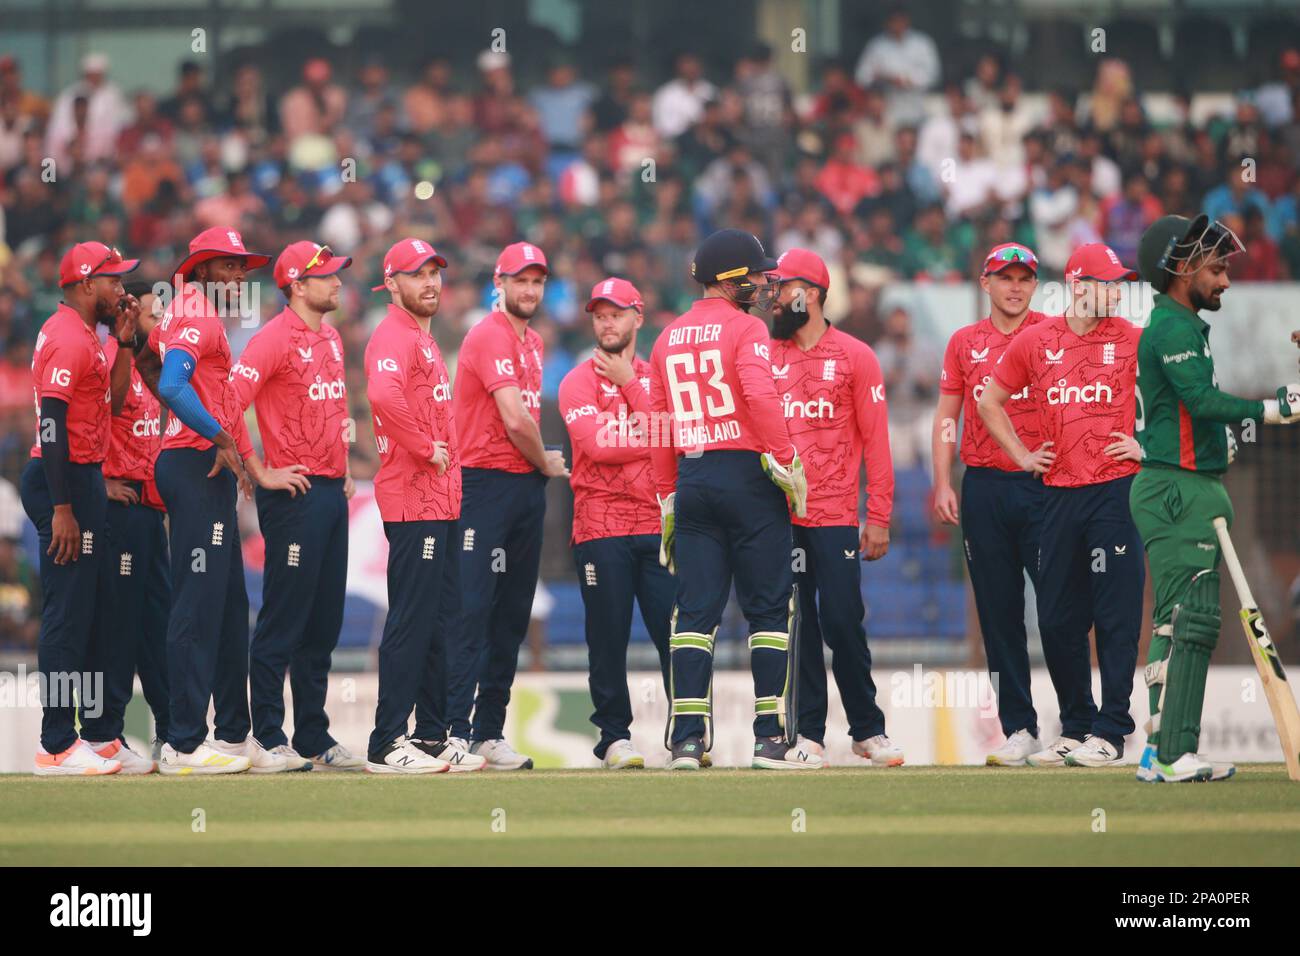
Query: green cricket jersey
1181	413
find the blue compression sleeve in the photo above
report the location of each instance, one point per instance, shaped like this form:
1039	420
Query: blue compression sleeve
174	386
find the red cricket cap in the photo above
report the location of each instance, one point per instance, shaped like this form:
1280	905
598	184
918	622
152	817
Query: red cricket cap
618	291
1098	261
1009	254
408	255
803	264
87	259
217	242
518	256
294	262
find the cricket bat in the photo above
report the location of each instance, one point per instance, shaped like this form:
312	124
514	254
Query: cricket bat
1271	674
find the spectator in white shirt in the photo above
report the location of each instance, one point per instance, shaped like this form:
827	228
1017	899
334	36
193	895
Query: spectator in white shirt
1051	209
106	114
680	101
939	135
906	61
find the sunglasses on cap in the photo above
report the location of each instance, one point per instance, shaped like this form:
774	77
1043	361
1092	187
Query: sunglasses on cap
323	255
1009	255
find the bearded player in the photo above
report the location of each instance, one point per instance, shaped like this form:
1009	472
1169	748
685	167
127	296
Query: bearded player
1080	369
833	396
1182	423
726	473
606	404
291	372
1001	505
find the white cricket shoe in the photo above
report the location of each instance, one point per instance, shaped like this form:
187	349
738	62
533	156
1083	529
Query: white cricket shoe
500	755
1014	750
621	755
79	760
294	761
402	756
260	760
133	764
773	753
880	750
459	759
1053	755
203	760
1093	752
338	757
811	746
1188	768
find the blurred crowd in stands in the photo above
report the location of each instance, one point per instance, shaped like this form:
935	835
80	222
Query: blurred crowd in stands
889	169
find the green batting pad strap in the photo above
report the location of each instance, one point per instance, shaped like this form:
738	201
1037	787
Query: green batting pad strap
773	639
1196	631
700	642
769	707
691	706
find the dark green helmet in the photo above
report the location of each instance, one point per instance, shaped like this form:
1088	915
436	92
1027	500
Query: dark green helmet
1172	240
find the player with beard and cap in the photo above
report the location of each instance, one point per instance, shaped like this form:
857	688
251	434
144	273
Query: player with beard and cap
418	491
833	395
506	466
1001	504
292	373
727	476
77	392
606	406
1080	369
200	472
1183	420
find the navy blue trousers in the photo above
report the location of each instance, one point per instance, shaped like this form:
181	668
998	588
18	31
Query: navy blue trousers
612	572
1090	576
1001	519
134	618
304	583
831	608
731	522
423	597
207	630
71	636
500	554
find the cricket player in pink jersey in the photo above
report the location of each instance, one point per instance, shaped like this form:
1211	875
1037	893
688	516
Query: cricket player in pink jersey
833	396
292	373
606	406
1081	370
505	469
1001	508
418	490
199	472
76	392
725	472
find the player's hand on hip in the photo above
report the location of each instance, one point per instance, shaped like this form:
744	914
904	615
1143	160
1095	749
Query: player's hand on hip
873	542
945	505
1285	409
1125	448
616	368
292	479
65	535
349	487
441	459
1039	461
120	491
555	466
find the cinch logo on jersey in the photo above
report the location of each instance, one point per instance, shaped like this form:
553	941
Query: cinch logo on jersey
442	392
1098	393
580	412
821	408
320	391
147	427
532	397
245	371
978	390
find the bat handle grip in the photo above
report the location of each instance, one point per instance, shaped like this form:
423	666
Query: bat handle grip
1234	564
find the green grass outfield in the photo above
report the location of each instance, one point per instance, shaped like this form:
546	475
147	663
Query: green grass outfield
911	815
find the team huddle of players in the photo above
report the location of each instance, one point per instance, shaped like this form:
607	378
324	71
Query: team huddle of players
732	456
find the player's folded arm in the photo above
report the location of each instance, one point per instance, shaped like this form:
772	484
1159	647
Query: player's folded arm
385	391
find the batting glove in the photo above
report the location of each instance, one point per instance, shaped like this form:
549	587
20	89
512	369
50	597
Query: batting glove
790	479
666	531
1284	409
